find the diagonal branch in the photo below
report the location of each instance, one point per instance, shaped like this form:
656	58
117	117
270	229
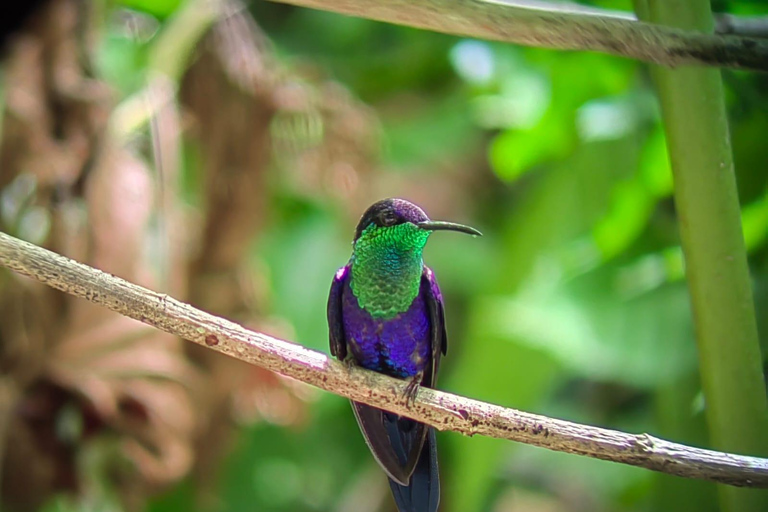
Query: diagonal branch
567	27
442	410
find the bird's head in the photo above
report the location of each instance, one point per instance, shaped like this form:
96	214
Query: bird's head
401	225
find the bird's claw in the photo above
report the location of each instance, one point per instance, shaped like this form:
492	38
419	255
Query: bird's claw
412	389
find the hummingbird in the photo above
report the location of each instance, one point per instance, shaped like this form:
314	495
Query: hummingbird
385	313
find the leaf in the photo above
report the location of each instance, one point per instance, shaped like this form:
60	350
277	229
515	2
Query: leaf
588	326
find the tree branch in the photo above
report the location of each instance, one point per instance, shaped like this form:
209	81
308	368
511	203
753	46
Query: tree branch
565	27
443	411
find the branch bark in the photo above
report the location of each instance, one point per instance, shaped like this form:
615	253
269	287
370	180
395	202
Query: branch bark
443	411
544	25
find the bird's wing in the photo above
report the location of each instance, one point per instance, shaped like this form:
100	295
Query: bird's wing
394	441
335	320
438	337
422	494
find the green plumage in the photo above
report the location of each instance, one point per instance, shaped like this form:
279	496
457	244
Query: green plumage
386	268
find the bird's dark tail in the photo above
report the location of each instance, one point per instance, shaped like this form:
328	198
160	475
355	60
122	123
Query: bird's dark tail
423	492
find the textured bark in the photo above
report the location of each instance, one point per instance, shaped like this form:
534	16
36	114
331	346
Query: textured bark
544	25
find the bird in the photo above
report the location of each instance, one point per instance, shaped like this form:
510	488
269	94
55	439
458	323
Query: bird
385	313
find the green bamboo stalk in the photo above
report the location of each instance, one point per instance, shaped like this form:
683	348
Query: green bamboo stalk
696	126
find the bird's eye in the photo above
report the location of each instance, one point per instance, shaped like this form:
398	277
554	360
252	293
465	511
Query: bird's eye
388	219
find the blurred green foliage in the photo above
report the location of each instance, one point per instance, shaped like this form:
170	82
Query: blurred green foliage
572	305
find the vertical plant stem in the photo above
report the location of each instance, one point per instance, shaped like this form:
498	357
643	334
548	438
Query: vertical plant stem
696	127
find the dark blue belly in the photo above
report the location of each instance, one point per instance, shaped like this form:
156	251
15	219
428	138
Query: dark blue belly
398	346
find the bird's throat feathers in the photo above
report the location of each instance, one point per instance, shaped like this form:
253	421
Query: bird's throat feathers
386	268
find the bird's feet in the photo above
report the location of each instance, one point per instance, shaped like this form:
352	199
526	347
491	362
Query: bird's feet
412	389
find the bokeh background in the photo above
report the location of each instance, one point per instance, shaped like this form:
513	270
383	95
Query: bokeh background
222	153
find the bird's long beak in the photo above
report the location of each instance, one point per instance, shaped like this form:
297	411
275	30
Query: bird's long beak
436	225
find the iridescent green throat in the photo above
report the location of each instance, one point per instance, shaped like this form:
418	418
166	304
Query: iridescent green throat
386	268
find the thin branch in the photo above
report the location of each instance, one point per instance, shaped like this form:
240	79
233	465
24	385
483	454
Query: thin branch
442	410
563	27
